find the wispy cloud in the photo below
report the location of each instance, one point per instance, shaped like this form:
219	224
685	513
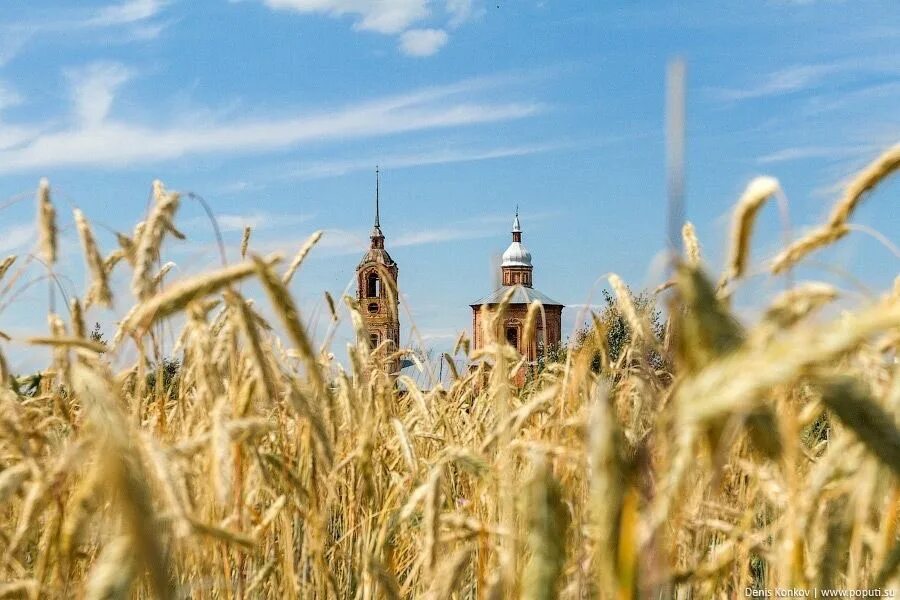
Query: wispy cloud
124	13
429	335
461	11
808	152
390	17
16	237
96	139
334	168
343	241
439	235
865	95
12	40
12	135
477	227
337	241
258	220
385	16
783	81
131	20
797	78
8	97
94	90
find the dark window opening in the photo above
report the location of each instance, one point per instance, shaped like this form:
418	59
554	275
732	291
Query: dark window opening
373	307
373	286
512	336
373	340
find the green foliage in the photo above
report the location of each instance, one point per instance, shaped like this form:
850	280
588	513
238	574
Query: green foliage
618	332
96	335
169	370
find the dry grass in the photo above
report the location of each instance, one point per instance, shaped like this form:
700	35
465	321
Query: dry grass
767	455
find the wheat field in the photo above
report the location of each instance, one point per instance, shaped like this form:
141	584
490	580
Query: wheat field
750	456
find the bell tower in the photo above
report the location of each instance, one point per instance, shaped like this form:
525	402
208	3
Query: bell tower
377	291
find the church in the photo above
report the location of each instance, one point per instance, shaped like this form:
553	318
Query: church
378	292
517	277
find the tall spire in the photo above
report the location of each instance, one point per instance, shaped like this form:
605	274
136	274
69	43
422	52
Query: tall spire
377	237
377	196
517	228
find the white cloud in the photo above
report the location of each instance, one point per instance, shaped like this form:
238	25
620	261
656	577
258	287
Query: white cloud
12	135
460	11
863	96
322	169
94	88
784	81
809	76
12	40
804	152
146	31
422	42
125	13
389	17
8	97
98	140
439	235
438	334
383	16
334	242
133	18
236	187
16	237
257	220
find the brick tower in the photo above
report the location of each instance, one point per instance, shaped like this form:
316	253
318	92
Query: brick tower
516	272
377	292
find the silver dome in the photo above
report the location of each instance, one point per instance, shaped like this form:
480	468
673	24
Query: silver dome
516	256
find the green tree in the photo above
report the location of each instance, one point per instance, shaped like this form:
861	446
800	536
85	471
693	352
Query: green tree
618	331
169	369
96	335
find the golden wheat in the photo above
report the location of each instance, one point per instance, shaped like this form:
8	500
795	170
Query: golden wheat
757	453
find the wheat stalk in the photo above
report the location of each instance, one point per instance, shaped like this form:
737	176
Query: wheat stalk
147	243
300	256
47	232
758	191
99	291
250	459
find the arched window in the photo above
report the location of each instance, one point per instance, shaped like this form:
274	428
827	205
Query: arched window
512	336
373	286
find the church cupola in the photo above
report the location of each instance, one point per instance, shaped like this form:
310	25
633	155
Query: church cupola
516	268
518	293
377	291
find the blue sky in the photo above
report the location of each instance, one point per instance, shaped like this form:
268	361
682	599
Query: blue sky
276	112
